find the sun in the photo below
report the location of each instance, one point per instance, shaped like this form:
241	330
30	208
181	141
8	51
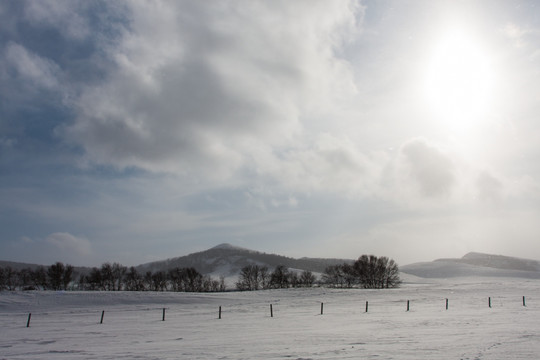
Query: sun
459	81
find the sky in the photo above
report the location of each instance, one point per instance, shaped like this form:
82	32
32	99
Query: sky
134	131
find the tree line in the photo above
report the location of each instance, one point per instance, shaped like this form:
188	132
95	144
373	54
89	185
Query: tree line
55	277
256	277
109	277
368	272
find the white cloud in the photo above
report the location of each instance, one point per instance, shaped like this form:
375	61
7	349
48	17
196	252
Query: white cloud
329	164
199	86
26	240
67	243
251	109
521	35
60	246
427	168
31	67
489	187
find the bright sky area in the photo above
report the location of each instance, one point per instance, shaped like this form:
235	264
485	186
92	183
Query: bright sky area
134	131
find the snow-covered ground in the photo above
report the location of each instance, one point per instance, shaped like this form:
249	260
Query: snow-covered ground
66	325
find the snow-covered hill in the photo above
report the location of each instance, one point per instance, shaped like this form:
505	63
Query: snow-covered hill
476	264
18	265
227	260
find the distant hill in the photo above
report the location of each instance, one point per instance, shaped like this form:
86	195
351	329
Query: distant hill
228	260
18	265
476	264
222	260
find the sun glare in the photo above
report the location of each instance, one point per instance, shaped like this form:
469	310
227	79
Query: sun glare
459	81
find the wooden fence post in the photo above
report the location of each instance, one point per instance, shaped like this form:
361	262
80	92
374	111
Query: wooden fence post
407	305
489	301
28	321
366	306
219	316
102	314
163	319
524	301
446	304
271	311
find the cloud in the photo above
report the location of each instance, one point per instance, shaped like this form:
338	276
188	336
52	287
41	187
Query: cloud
328	164
521	36
65	242
489	187
59	246
62	14
429	170
30	67
7	143
196	87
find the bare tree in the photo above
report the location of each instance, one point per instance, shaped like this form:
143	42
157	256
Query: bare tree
350	279
147	280
333	276
222	286
264	277
134	281
107	276
9	278
3	285
55	273
249	278
307	278
159	281
280	278
194	280
40	278
118	274
67	277
26	279
377	273
369	272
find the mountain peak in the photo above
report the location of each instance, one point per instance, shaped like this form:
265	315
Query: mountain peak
475	255
228	260
227	246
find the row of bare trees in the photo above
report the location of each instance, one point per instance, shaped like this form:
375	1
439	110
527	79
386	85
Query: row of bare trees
55	277
368	272
255	277
109	277
116	277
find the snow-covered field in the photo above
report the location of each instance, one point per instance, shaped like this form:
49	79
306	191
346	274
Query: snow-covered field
66	325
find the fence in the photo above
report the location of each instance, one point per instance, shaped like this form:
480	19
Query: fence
177	312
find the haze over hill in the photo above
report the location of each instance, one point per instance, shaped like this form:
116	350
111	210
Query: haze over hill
476	264
227	260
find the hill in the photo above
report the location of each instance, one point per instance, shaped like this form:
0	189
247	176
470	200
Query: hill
227	260
18	265
476	264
